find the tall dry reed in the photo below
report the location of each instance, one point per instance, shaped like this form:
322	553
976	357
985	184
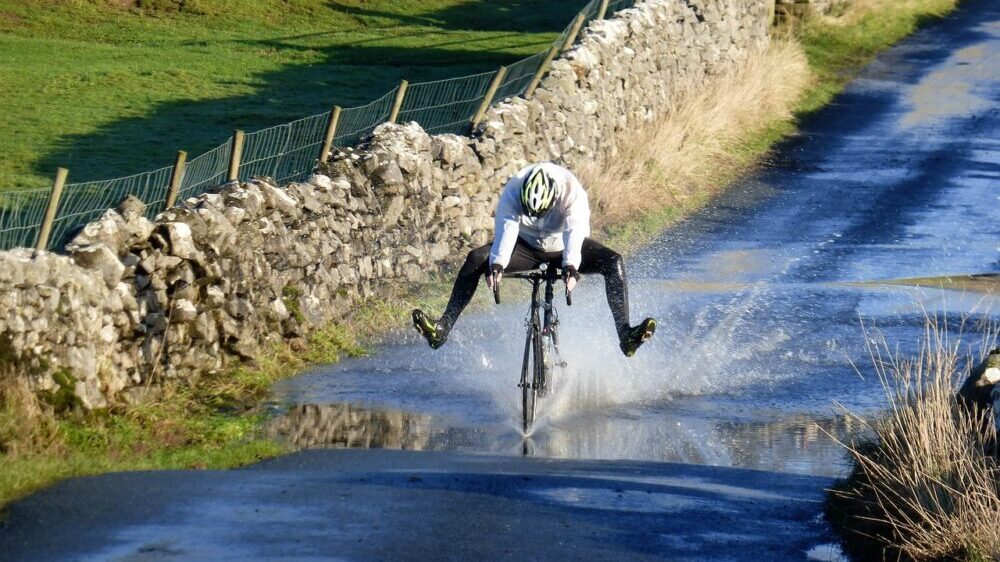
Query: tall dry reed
701	143
926	487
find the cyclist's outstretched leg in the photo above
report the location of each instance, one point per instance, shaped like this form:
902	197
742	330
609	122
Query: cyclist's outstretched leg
598	258
436	331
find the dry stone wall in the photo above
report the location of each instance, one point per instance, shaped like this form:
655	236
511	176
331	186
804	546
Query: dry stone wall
214	280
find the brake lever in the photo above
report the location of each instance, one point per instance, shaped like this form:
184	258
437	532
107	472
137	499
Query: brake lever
569	293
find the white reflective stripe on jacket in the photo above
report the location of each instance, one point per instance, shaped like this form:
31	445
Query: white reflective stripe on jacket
562	229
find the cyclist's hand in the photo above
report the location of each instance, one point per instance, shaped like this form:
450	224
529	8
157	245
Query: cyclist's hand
494	275
570	276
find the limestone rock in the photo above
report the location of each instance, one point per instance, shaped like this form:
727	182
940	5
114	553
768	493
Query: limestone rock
131	208
178	234
108	230
99	257
388	174
183	311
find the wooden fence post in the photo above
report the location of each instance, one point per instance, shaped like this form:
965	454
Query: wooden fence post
492	91
235	155
573	32
51	208
175	179
331	131
603	10
541	71
398	103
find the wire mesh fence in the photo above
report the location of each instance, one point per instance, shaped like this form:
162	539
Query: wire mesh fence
287	152
518	76
205	171
358	122
84	202
445	106
21	215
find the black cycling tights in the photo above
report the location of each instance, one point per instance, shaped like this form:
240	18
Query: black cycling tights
596	258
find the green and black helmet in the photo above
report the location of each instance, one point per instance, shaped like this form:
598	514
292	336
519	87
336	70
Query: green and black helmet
538	192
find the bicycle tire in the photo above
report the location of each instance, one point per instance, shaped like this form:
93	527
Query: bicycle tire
538	372
527	382
546	362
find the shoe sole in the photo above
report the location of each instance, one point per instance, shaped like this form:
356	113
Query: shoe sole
646	335
649	331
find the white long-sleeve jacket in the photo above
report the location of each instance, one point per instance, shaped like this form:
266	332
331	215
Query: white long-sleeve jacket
562	229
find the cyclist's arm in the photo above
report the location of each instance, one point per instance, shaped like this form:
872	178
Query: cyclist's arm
577	223
508	223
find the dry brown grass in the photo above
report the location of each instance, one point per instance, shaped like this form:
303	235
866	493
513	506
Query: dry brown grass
26	426
703	142
926	488
855	10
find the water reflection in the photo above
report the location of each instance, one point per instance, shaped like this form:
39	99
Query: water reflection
346	426
789	443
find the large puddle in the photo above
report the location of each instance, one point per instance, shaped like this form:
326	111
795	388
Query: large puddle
758	378
760	298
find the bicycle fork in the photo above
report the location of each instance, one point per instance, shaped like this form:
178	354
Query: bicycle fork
551	323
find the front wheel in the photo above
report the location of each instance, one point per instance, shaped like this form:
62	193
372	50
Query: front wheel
529	366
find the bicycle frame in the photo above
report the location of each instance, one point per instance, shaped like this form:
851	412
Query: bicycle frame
541	344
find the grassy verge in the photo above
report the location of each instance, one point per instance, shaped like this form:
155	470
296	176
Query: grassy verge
702	146
924	486
212	424
215	423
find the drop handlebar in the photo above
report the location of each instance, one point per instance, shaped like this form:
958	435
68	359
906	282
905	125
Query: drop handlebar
538	275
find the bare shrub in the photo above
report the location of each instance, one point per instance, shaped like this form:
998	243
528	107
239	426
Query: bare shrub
925	488
696	146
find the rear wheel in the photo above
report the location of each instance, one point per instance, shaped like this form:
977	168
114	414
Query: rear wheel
546	365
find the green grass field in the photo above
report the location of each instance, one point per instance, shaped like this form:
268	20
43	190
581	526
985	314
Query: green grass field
111	87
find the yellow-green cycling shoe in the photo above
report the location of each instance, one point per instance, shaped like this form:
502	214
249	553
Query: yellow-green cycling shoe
429	329
636	336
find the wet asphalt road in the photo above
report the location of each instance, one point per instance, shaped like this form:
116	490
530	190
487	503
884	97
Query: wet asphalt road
759	298
403	505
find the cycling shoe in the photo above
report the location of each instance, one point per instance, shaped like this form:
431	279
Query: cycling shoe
636	336
429	329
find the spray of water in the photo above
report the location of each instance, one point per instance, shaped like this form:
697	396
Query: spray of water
707	352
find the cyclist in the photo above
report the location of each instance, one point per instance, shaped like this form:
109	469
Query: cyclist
543	216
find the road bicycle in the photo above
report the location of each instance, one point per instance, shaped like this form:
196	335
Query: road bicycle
541	345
